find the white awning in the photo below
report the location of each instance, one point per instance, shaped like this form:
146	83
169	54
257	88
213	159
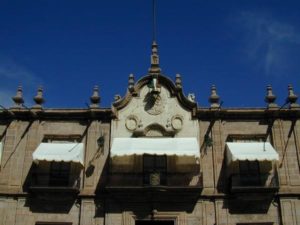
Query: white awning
261	151
59	152
155	146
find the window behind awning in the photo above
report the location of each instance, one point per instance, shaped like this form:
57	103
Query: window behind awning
252	151
155	146
59	152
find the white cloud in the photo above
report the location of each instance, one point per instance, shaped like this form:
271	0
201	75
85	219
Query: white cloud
267	41
5	98
269	59
12	71
11	76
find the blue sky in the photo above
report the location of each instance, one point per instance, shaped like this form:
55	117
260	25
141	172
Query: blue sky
70	46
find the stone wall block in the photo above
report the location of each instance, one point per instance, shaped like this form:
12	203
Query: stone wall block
87	212
18	154
288	212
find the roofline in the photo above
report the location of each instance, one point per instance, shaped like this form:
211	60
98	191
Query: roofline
247	113
108	114
57	114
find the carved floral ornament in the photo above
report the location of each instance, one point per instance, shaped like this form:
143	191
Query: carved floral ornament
177	122
132	122
170	128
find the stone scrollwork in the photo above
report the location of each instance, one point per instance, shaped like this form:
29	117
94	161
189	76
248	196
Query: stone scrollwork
132	122
154	130
157	130
177	122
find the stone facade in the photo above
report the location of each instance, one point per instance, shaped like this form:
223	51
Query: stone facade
154	107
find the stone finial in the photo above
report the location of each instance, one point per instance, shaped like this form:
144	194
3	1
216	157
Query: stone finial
39	99
214	98
270	98
292	98
18	98
117	97
178	82
131	82
95	98
154	68
192	97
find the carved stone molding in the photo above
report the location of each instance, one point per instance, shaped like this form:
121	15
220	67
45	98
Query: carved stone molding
154	104
179	218
177	122
132	122
154	130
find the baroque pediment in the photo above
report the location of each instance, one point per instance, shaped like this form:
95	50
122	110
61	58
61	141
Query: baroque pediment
174	90
155	106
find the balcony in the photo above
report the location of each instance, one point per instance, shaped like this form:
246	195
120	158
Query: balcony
44	182
153	175
155	182
245	183
154	187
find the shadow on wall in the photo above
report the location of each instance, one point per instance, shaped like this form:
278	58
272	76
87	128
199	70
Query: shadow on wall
250	204
142	210
44	198
222	184
102	179
42	204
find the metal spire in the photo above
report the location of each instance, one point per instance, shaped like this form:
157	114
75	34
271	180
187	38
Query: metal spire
154	20
154	69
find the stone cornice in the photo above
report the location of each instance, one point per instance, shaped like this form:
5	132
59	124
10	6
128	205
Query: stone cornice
104	114
247	114
107	114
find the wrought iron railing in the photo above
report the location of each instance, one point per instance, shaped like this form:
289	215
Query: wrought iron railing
153	179
254	181
46	180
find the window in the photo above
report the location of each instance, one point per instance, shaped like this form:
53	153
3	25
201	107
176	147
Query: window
61	138
58	163
52	223
59	174
154	222
250	162
267	223
246	138
155	169
249	173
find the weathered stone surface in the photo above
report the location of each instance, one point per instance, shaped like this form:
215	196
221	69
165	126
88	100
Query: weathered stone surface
149	113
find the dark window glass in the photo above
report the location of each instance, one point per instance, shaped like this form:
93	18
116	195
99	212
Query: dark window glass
59	174
154	222
52	223
249	173
267	223
149	163
253	167
155	166
244	167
